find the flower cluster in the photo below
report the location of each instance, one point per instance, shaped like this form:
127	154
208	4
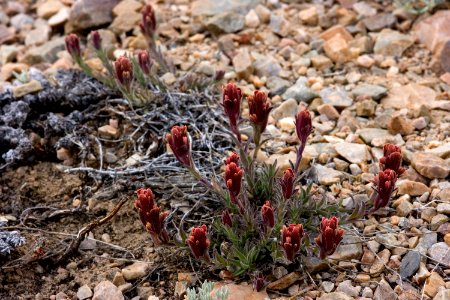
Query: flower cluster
291	238
385	180
73	46
179	143
329	236
268	215
231	102
124	71
151	216
233	177
259	108
241	189
199	242
148	22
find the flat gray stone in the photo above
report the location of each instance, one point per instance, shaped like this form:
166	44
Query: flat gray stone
410	264
213	7
376	92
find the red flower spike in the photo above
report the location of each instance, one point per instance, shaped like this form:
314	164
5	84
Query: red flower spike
287	183
144	62
392	159
291	238
179	143
233	180
96	40
233	157
268	215
151	216
385	185
124	70
259	109
329	237
73	45
231	102
226	219
148	22
198	242
303	126
145	200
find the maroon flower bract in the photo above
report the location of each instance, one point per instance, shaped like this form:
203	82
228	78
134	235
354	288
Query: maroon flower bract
231	102
144	61
291	238
198	242
287	183
226	218
124	71
148	22
385	185
259	108
392	159
233	180
179	143
268	215
329	236
73	45
96	40
151	216
303	126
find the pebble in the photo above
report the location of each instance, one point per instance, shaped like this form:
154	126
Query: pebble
242	63
327	286
279	25
60	17
400	124
432	284
285	281
429	165
380	262
135	271
412	188
410	264
86	14
27	88
242	291
440	252
106	290
49	8
392	43
225	22
335	296
266	65
347	288
376	92
366	108
354	153
329	111
384	291
252	19
84	292
108	131
336	97
442	295
349	248
327	176
300	92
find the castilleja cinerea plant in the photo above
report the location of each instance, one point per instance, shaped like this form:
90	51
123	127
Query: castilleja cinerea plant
263	205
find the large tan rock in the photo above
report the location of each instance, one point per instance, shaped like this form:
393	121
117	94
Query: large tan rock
434	33
429	165
87	14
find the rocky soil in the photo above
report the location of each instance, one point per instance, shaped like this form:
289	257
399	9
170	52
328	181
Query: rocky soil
369	71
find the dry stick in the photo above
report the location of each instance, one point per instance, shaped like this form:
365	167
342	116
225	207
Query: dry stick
73	247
